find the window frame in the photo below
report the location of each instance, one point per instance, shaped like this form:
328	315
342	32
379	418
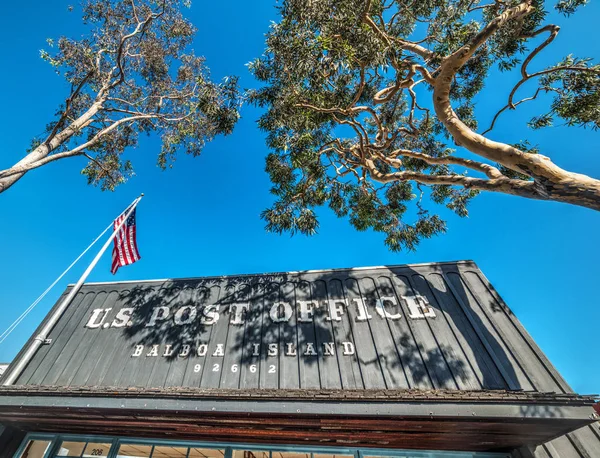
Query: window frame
228	447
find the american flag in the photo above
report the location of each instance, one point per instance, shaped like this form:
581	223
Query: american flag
125	251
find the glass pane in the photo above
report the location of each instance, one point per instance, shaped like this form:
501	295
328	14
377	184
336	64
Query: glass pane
169	452
96	449
333	456
206	453
290	455
137	450
71	449
250	454
408	456
35	449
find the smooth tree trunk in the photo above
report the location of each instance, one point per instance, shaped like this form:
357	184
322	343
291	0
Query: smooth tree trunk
550	182
10	176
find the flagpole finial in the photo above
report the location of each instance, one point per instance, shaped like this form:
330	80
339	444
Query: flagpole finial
142	195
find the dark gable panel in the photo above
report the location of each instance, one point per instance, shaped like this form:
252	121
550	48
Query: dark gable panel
178	364
269	363
122	367
211	374
385	346
343	329
508	333
410	362
586	440
327	355
309	369
475	352
199	336
365	346
533	358
289	376
253	325
230	375
73	341
449	347
27	375
148	367
85	357
102	365
489	333
350	375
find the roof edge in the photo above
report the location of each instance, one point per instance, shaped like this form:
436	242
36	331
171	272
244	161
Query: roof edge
293	272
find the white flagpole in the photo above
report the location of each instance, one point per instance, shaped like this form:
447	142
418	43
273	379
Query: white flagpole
41	338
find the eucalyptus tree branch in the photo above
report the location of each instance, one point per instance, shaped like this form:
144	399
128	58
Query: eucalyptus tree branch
550	181
489	170
127	64
19	169
107	173
68	106
404	44
502	184
361	70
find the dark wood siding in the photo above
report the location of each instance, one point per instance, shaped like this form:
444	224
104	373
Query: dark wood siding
474	341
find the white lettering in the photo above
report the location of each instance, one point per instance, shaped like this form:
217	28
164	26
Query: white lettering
291	349
158	314
185	350
138	351
382	312
92	322
210	314
335	308
238	312
329	348
273	349
219	350
154	351
307	310
348	348
202	349
122	318
310	349
168	351
417	305
276	312
363	313
255	349
427	309
185	315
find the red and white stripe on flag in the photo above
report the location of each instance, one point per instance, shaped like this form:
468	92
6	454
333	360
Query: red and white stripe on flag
125	249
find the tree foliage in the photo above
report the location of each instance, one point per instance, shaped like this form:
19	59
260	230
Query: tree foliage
133	74
370	110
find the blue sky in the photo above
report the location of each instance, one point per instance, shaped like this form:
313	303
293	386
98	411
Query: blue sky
201	217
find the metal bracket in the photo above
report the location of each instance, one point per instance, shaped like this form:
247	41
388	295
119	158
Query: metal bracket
42	340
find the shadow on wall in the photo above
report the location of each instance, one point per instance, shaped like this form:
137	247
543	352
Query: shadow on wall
341	329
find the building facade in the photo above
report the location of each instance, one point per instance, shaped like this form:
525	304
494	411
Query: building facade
397	361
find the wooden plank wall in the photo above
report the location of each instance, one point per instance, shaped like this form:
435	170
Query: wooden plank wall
473	342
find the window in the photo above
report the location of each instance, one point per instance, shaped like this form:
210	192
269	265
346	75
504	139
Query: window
334	456
295	455
71	446
93	449
71	449
35	449
250	454
139	451
169	452
83	449
206	453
